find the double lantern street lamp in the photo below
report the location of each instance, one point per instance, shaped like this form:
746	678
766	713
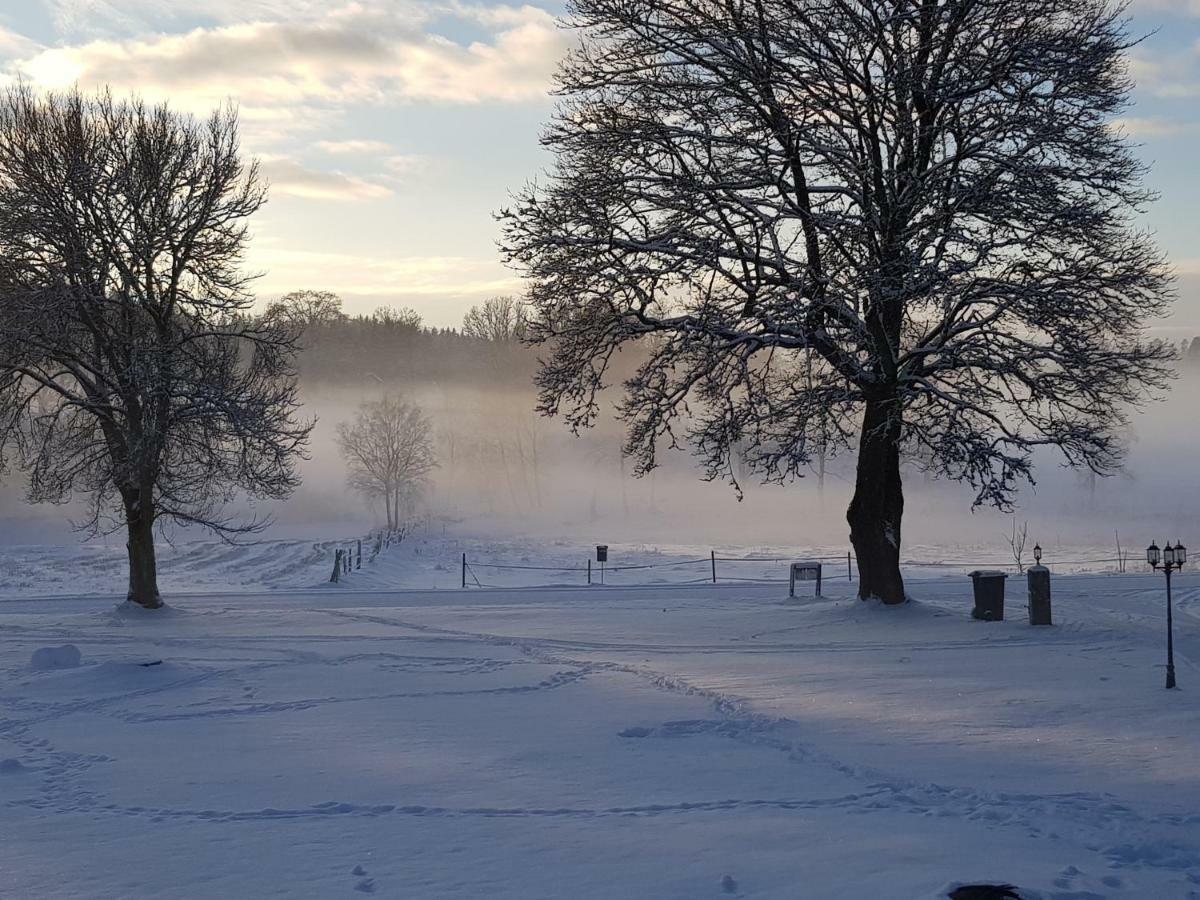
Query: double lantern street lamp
1168	559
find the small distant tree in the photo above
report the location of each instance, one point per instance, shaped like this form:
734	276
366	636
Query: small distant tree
130	370
400	318
388	449
1016	542
1193	353
302	310
498	319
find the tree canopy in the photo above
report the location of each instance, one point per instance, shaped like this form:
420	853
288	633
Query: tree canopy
130	369
867	224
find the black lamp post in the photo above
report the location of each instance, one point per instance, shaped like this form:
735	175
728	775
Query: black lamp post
1037	553
1169	559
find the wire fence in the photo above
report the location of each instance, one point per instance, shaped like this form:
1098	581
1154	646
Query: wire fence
716	569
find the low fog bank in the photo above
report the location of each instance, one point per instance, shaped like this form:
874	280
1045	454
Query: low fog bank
503	470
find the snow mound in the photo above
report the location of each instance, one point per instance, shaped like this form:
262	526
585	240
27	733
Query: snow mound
11	767
130	611
65	657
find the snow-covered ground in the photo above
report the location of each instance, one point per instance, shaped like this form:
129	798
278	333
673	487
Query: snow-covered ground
659	741
432	559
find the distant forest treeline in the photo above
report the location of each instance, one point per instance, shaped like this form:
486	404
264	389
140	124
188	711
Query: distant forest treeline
361	348
393	346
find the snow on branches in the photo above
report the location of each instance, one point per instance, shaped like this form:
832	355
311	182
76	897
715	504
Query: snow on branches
902	220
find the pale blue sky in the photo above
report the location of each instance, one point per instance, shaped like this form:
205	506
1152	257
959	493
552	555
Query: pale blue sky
392	130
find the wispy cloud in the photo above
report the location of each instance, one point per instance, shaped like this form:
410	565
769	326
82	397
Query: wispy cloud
302	74
1154	126
1175	7
87	19
354	54
287	176
1174	75
355	147
15	46
421	276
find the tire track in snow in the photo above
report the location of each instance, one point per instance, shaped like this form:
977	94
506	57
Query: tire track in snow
1036	814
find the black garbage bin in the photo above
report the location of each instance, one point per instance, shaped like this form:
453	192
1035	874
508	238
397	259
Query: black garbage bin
989	595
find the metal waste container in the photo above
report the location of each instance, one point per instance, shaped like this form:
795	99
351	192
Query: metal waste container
989	595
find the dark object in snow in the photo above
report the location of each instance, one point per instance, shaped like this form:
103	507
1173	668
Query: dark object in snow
804	571
728	885
1039	595
984	892
146	665
10	766
989	595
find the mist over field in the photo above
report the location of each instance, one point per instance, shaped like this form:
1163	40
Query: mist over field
317	603
504	470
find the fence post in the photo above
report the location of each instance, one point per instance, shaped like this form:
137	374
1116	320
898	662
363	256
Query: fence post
589	570
359	566
713	555
337	566
464	571
849	571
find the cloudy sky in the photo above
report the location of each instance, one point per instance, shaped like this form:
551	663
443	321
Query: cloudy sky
391	130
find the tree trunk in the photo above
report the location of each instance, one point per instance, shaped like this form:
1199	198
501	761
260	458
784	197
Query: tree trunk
143	567
878	505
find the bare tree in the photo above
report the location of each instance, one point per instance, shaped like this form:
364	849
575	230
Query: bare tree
400	318
388	449
128	371
1016	543
927	196
305	309
499	319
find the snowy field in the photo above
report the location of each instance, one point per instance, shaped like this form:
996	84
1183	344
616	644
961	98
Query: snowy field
432	560
661	741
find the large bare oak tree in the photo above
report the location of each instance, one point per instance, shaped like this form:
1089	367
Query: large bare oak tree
904	225
130	371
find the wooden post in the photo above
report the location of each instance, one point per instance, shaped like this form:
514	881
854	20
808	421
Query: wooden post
337	566
589	570
359	566
713	554
464	580
849	572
